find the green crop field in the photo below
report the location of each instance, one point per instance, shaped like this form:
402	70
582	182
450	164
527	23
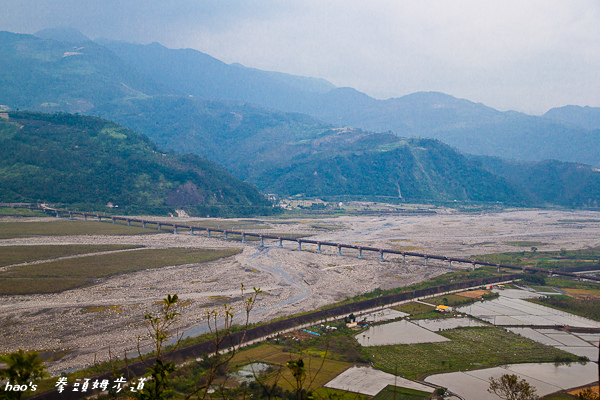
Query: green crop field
414	308
69	228
66	274
319	371
19	254
20	212
469	348
391	392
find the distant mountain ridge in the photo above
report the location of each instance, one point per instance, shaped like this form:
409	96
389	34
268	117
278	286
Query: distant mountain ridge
584	117
290	152
470	127
63	34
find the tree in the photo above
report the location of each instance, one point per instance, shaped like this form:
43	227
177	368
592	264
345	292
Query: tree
23	370
509	387
299	373
158	330
588	394
220	326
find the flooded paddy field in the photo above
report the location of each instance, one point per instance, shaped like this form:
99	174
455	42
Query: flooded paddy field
447	323
410	332
546	378
399	332
386	314
370	381
511	308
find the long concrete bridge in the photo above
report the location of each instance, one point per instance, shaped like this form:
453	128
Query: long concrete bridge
357	249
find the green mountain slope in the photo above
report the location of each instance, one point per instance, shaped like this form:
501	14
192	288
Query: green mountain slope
244	138
549	182
88	162
46	75
409	169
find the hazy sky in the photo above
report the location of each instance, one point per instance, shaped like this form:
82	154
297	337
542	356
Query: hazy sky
526	55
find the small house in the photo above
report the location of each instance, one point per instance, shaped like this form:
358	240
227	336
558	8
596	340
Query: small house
442	308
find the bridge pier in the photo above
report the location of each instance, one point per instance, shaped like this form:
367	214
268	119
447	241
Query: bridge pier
339	250
225	235
299	245
113	220
450	264
143	224
319	248
128	222
243	237
99	218
426	260
403	258
57	214
280	243
262	241
174	229
70	216
84	216
158	227
208	233
380	255
473	266
360	253
191	231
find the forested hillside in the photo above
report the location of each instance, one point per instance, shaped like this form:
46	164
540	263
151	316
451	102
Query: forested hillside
550	182
87	162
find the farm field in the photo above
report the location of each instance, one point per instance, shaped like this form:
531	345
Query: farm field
318	370
367	380
70	273
467	348
10	230
546	378
392	392
21	254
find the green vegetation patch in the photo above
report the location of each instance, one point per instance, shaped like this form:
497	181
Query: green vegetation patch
414	308
20	254
566	283
588	308
48	285
75	272
469	348
449	300
554	260
560	396
20	212
391	392
319	370
10	230
327	393
526	243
